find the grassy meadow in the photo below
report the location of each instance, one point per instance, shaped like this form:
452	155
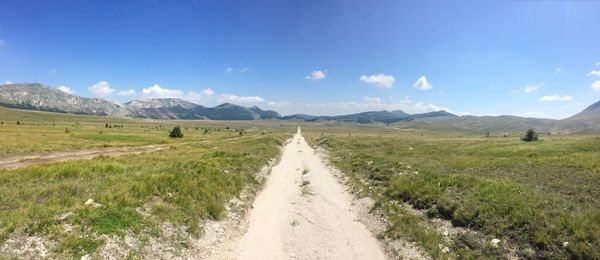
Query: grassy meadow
540	199
25	132
190	182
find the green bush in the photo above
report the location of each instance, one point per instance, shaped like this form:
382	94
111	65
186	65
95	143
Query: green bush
176	132
530	136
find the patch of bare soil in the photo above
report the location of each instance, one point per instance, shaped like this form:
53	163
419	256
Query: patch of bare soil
14	162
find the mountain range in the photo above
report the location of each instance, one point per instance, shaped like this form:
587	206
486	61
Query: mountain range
40	97
35	96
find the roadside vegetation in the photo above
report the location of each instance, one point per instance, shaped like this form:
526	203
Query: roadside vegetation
74	206
528	199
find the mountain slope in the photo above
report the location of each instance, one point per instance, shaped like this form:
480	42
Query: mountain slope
382	116
172	108
165	108
44	98
587	120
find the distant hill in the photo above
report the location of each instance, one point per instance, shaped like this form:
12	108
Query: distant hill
481	124
587	120
382	116
44	98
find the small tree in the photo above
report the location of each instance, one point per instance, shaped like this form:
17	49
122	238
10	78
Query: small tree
530	136
176	132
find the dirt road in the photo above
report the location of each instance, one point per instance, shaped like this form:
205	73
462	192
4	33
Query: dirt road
26	160
304	213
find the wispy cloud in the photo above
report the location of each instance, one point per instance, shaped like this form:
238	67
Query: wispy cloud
556	98
66	89
372	99
240	99
532	87
2	43
529	114
127	93
422	84
317	75
101	89
558	70
281	103
238	70
379	80
594	73
595	85
52	71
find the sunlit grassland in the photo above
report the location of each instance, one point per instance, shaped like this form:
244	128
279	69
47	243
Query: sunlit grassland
183	185
26	132
536	196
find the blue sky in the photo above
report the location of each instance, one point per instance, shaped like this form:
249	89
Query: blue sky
529	58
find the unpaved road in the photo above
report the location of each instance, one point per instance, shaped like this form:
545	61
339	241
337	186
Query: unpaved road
303	215
39	158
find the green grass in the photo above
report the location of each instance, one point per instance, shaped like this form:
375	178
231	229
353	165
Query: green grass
190	182
535	195
45	132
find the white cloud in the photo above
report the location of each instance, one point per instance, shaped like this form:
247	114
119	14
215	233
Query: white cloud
598	63
66	89
317	75
379	80
422	84
205	96
595	85
529	114
558	70
127	93
233	69
533	87
406	105
594	73
156	91
207	92
372	99
52	71
556	98
240	99
281	103
101	89
7	82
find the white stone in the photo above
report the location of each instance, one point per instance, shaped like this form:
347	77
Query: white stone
495	242
90	202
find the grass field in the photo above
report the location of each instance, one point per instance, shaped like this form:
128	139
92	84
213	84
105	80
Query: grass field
184	185
26	132
541	199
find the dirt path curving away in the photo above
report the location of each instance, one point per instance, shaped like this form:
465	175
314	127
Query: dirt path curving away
39	158
305	215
